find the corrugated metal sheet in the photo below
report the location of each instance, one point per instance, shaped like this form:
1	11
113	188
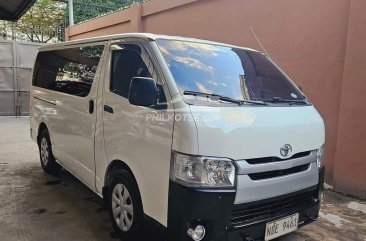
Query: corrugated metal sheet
16	65
12	10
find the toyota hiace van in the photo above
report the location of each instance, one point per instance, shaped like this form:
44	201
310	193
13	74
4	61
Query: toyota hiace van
205	140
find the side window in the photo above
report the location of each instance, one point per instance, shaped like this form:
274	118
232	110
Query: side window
69	70
127	63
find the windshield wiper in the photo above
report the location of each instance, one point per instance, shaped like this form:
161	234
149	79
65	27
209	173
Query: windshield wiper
291	102
223	98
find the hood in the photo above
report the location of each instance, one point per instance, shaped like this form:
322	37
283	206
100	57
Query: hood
254	132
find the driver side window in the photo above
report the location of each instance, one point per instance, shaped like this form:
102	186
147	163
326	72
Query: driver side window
127	63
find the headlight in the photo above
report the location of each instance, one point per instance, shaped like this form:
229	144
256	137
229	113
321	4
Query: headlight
320	156
198	171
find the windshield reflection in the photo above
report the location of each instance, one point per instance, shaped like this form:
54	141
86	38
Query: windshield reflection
233	72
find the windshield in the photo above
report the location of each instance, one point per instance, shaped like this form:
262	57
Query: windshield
232	72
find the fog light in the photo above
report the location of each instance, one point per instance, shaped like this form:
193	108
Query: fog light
196	234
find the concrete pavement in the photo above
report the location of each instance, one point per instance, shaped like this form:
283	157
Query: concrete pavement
37	207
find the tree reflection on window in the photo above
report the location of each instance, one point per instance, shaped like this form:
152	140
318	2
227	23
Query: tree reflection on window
76	72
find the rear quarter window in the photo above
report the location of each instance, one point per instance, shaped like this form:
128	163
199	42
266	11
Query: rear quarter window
69	71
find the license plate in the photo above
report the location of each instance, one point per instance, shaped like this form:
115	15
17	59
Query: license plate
281	227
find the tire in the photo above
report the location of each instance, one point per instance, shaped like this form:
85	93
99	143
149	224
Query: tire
127	219
48	161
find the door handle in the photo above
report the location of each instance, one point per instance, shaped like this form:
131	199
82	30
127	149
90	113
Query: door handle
91	106
107	108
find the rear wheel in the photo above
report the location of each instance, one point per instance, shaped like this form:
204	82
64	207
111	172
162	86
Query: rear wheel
48	161
125	206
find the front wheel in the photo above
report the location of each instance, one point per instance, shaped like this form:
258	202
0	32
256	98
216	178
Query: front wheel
125	206
48	161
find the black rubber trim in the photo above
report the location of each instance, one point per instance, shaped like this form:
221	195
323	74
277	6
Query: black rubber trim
47	101
105	197
278	173
109	109
155	230
321	178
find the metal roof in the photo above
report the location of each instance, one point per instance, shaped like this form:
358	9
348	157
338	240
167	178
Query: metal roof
12	10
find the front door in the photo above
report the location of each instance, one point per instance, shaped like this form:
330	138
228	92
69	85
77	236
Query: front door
131	135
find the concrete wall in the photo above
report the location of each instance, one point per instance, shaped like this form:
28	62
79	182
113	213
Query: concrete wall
350	161
316	42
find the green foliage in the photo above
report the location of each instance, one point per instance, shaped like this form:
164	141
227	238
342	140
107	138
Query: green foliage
6	29
91	52
88	9
42	21
47	19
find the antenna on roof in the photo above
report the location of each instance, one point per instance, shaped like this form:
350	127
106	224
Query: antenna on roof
259	42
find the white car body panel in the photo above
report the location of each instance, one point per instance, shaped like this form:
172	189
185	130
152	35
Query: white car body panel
257	131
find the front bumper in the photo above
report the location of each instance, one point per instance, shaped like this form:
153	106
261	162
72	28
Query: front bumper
225	221
256	231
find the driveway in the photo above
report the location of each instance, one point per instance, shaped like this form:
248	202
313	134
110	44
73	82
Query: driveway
38	207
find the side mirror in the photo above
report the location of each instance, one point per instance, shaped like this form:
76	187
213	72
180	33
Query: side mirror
299	87
143	92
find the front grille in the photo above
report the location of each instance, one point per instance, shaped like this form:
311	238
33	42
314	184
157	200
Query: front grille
278	173
263	160
244	214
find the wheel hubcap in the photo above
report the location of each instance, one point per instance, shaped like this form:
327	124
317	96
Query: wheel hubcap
44	151
122	207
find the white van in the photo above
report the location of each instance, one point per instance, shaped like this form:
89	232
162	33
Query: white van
207	141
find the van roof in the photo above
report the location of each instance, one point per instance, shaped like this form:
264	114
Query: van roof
146	36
